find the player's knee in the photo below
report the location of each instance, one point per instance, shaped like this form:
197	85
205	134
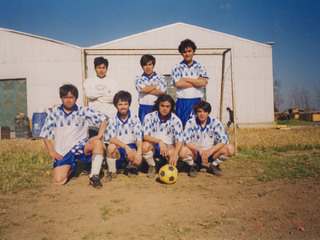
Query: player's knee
146	147
59	180
183	152
230	150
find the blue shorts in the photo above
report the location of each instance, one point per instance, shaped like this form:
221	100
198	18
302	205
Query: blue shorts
184	108
143	111
123	154
199	159
77	152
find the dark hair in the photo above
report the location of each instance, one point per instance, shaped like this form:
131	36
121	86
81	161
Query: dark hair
186	43
147	58
164	98
66	88
122	95
202	104
100	60
228	109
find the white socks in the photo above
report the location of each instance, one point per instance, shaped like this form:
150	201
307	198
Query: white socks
96	164
219	160
112	164
188	161
148	157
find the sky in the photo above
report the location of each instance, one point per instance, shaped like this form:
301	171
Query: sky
293	26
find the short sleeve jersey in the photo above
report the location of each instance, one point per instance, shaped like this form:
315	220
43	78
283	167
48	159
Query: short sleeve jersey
69	129
194	71
143	81
205	137
127	132
169	131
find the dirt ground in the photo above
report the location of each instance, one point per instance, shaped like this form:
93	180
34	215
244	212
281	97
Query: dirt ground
234	206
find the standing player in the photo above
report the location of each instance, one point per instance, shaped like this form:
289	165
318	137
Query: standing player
162	131
189	77
100	90
125	136
149	85
68	124
205	140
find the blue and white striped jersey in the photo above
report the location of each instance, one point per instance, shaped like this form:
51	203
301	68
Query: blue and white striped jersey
127	132
205	137
143	81
170	131
194	71
69	129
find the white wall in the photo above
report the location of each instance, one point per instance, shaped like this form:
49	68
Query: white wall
44	63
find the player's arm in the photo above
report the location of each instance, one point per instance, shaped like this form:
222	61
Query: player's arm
129	150
148	89
199	82
162	145
194	147
175	155
157	92
102	129
90	90
54	155
138	154
212	150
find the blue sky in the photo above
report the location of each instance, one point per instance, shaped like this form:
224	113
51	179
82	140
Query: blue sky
294	26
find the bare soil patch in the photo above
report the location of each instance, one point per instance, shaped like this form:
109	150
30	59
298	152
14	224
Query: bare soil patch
234	206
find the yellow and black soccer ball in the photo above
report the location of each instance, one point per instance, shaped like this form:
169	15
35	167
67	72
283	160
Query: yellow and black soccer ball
168	174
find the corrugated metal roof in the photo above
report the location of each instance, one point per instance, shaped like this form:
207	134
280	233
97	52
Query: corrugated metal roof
38	37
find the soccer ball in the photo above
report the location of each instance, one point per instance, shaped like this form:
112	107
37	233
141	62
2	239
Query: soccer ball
168	174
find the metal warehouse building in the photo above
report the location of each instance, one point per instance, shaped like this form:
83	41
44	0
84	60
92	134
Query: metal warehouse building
240	70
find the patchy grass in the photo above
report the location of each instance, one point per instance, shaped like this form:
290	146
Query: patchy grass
294	122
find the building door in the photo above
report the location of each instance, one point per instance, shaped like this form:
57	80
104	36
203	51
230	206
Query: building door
13	100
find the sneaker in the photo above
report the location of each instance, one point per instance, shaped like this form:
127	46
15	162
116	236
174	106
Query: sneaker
151	172
110	176
216	170
192	172
95	181
132	172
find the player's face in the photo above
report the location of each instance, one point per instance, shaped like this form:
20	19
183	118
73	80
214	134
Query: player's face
101	70
202	115
164	108
188	55
148	69
123	107
69	101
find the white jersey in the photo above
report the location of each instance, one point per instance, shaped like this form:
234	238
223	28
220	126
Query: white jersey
169	131
182	70
205	137
100	93
69	129
143	81
127	132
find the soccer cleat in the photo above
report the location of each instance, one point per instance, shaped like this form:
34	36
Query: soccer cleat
110	176
95	181
192	172
132	172
151	172
216	170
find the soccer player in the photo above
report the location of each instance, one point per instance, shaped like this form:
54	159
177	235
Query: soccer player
100	90
162	131
149	85
68	124
125	136
205	140
189	77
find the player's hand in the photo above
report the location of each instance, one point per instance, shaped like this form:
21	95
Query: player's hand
163	149
137	159
55	156
205	155
130	154
173	160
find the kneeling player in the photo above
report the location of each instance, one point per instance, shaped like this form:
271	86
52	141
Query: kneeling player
205	140
162	131
125	137
68	124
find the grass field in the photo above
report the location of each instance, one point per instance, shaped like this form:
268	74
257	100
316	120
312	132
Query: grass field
25	163
269	190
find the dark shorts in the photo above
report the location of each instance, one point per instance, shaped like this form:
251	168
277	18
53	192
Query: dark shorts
184	108
123	154
143	111
199	159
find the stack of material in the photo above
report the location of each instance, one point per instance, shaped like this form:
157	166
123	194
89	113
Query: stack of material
282	127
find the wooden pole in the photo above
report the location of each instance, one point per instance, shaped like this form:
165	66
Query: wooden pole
222	84
233	106
84	73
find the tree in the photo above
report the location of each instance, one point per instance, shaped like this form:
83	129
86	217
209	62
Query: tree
299	98
277	99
